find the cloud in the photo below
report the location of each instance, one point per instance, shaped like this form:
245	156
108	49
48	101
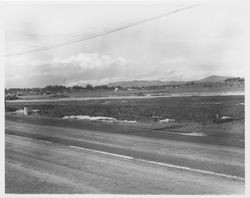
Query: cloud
79	68
103	81
90	61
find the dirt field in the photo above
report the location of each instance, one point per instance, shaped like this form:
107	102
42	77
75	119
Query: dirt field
196	113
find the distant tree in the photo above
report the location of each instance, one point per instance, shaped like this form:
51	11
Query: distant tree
102	87
207	85
55	88
189	83
89	87
232	80
77	87
11	97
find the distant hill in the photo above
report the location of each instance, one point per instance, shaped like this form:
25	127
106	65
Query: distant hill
143	83
147	83
213	78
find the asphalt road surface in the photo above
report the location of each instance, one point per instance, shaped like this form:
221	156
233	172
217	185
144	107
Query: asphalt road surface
44	158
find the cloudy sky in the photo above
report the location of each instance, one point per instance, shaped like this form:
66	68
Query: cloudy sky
205	40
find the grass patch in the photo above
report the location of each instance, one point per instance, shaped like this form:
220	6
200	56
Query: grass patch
196	113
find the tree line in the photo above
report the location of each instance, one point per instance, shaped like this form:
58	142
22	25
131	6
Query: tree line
58	88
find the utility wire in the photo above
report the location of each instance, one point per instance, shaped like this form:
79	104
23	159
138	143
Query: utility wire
105	31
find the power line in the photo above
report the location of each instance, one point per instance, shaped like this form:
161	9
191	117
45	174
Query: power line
105	31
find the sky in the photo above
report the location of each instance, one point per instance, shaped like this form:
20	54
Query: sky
209	39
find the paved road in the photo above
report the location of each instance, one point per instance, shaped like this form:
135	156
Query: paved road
55	159
215	139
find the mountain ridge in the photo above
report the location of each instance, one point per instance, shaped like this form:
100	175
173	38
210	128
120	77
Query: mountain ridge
145	83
